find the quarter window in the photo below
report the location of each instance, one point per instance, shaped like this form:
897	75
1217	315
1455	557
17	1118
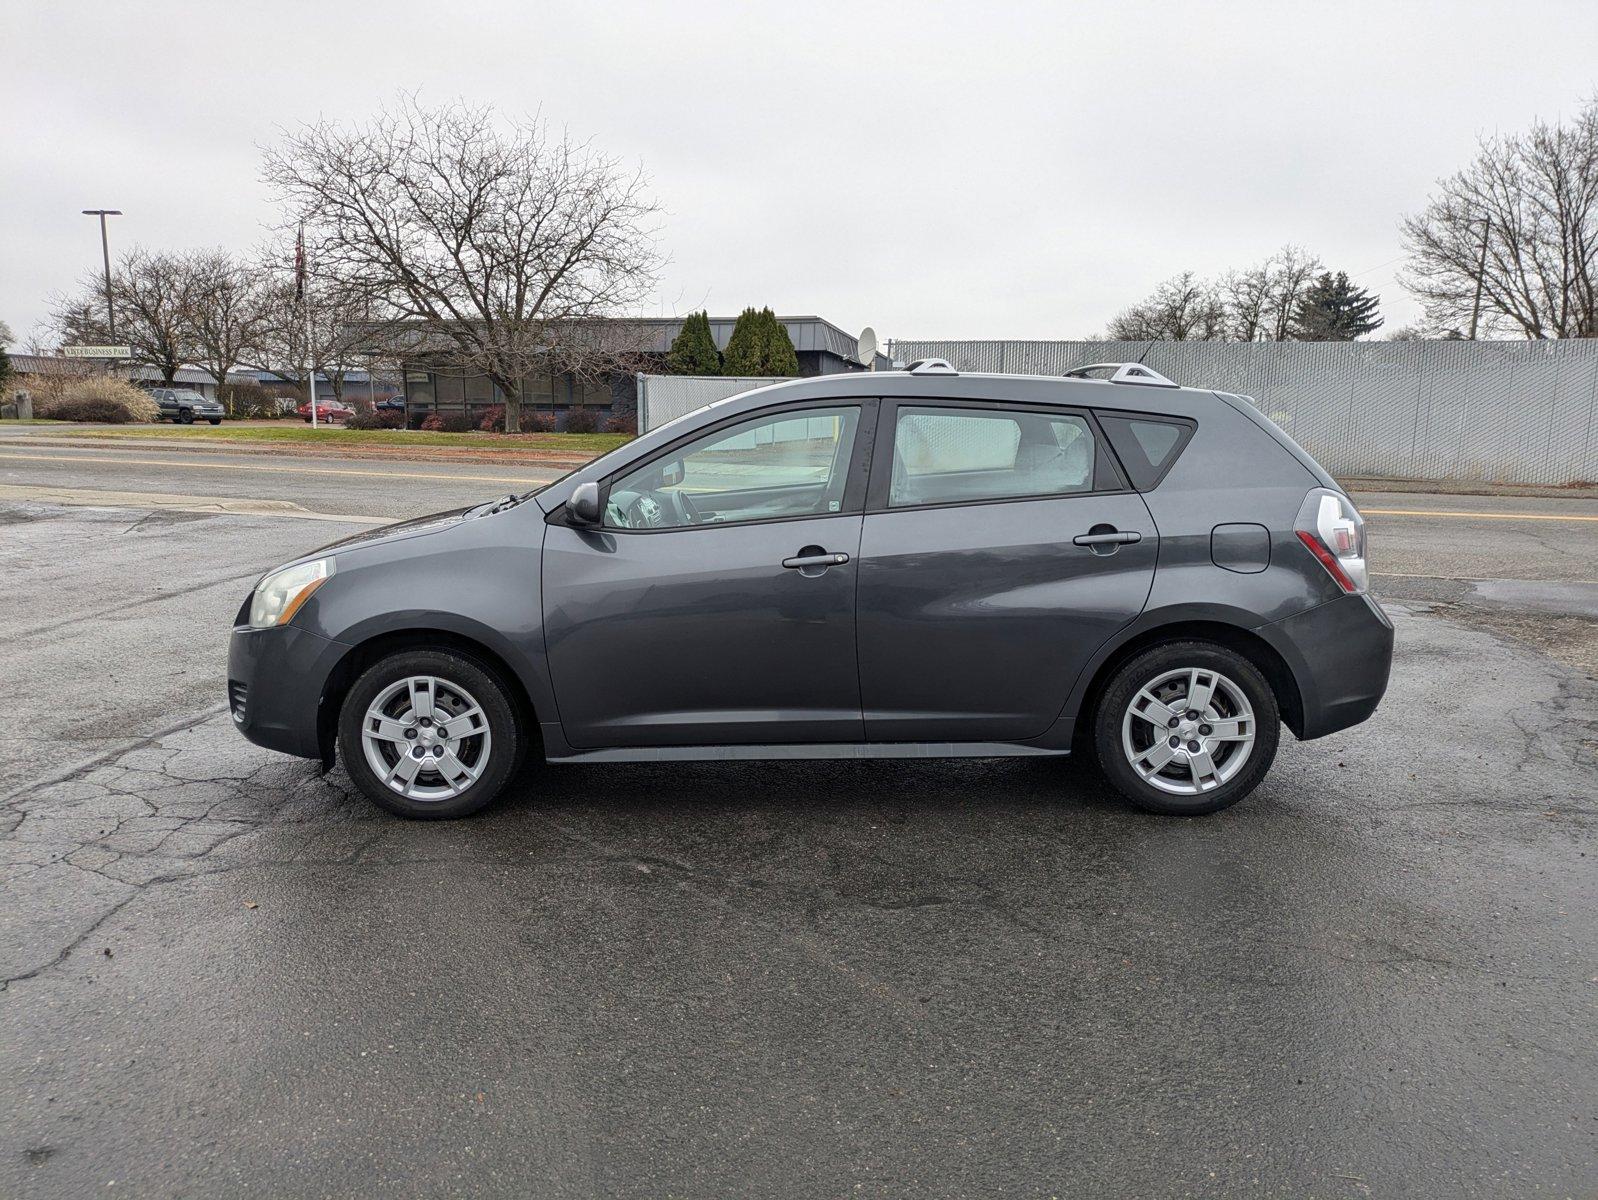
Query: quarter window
949	456
1147	447
790	464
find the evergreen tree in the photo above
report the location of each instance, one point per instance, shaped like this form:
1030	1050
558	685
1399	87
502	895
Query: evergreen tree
742	356
759	346
5	369
1332	309
693	351
780	357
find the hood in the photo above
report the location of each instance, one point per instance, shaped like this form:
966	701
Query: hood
398	531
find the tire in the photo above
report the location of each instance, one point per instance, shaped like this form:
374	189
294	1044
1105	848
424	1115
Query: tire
426	791
216	420
1236	732
186	417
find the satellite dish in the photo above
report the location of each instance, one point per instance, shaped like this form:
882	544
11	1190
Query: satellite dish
866	346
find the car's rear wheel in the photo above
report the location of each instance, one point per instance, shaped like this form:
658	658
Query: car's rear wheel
1186	728
186	416
430	734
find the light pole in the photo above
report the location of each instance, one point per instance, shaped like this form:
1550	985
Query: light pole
1481	270
105	251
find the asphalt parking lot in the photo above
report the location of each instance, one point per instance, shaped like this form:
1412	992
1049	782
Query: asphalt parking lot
228	975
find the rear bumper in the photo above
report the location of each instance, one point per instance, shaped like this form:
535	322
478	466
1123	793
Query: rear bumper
1340	653
276	678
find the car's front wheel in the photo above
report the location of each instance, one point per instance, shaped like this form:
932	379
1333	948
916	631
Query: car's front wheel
216	420
1186	728
430	734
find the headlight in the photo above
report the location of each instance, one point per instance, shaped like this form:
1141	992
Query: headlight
279	596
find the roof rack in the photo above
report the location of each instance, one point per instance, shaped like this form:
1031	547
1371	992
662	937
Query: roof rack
931	366
1122	373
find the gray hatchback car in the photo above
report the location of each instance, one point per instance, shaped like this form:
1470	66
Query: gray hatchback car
901	564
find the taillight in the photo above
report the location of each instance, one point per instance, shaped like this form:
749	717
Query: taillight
1334	532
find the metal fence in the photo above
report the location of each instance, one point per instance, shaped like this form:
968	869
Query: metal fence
663	398
1514	412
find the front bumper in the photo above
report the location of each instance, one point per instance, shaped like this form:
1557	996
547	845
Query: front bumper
276	678
1340	653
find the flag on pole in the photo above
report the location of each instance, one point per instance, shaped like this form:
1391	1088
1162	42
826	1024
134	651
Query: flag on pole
299	265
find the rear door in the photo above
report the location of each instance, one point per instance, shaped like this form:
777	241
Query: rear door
1001	548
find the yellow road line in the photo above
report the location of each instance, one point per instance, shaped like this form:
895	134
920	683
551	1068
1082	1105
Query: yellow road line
1478	516
167	462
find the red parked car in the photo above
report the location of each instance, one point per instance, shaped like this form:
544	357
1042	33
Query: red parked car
326	410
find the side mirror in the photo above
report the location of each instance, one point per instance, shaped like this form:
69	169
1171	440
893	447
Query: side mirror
583	507
671	474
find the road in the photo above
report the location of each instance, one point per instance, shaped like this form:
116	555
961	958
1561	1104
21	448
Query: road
226	974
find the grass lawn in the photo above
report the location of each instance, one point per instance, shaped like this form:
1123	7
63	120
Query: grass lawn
296	433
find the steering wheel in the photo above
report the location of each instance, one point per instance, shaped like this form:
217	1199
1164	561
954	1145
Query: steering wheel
645	512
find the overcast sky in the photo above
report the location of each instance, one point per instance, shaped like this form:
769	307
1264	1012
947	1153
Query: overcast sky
934	170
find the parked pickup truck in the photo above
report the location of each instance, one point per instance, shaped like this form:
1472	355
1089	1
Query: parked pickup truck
185	407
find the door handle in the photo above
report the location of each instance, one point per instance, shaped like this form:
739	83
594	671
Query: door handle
1114	538
801	561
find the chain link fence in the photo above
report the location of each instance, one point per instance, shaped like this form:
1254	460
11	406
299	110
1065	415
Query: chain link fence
1511	412
663	398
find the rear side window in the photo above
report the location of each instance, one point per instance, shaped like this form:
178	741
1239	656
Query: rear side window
951	456
1146	446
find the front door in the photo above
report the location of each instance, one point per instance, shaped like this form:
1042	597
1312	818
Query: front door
1000	550
716	604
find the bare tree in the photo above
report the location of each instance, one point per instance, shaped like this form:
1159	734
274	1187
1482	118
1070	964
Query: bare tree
1183	308
224	313
1247	297
1519	229
336	337
507	241
1292	270
151	291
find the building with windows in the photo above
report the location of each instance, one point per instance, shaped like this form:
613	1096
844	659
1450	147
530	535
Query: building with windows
433	384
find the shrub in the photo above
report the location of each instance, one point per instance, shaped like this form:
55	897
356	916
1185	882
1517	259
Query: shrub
376	419
580	420
100	411
248	400
448	423
533	421
96	398
622	423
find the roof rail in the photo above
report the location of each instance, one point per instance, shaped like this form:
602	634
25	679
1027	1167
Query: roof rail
931	366
1123	373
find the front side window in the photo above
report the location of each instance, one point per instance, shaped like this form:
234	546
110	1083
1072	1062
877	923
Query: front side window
950	455
790	464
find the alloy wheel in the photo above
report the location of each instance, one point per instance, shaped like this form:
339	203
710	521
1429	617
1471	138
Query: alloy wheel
1188	731
426	738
